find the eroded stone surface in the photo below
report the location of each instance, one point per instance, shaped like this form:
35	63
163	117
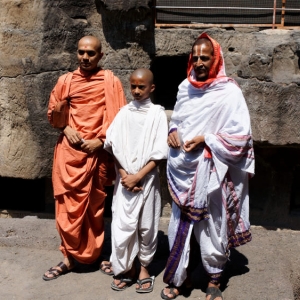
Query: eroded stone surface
38	44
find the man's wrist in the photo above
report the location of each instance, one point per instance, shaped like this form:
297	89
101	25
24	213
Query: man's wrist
101	142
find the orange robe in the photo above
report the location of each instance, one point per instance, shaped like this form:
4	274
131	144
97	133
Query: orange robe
79	178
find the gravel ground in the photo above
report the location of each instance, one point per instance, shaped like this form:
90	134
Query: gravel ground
265	268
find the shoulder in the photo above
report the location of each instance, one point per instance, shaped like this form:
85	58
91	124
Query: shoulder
184	84
124	108
233	88
63	77
110	74
159	107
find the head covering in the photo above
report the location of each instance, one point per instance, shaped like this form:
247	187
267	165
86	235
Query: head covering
217	71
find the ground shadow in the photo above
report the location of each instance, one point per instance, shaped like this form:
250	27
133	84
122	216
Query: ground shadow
161	256
236	265
155	268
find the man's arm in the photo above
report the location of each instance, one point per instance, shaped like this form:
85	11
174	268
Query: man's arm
131	181
88	146
122	172
173	139
193	143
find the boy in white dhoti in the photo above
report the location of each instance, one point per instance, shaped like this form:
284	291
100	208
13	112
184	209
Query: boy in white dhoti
138	140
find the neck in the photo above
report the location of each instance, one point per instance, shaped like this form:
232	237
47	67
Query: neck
89	73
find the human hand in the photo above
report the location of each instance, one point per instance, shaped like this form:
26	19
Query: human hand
90	146
131	183
173	139
193	144
137	189
72	135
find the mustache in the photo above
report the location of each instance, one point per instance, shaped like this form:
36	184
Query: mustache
198	68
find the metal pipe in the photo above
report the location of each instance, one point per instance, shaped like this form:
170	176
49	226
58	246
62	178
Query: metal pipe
274	15
211	7
283	13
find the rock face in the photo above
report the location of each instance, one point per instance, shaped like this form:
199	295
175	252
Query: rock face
38	44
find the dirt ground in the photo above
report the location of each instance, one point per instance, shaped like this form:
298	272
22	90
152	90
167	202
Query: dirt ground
266	268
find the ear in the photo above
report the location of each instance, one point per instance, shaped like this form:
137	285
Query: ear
101	55
152	88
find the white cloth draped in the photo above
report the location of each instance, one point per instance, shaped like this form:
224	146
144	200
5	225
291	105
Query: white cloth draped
137	135
213	181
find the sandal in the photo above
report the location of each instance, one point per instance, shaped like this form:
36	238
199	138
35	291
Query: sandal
172	288
140	282
105	266
128	281
56	272
214	292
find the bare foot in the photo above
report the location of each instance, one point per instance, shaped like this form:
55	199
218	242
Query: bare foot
209	295
130	274
143	274
61	268
106	267
170	292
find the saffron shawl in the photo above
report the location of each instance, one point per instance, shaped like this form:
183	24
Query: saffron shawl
79	178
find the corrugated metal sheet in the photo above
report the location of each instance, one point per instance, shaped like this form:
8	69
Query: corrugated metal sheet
227	12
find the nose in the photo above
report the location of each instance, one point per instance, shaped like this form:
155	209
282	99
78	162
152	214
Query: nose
199	61
85	56
136	91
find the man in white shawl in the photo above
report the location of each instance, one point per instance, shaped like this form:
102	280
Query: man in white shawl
138	140
210	160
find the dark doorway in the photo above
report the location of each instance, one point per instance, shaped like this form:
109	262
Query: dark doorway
168	72
22	194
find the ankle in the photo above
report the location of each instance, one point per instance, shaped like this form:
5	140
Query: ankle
69	261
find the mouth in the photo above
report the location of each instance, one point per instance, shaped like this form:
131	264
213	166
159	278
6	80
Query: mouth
200	71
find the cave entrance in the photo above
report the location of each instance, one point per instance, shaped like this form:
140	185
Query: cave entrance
21	197
169	72
23	194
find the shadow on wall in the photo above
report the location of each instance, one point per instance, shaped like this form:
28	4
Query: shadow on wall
274	190
168	73
23	194
123	28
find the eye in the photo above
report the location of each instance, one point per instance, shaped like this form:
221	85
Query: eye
91	53
195	58
202	58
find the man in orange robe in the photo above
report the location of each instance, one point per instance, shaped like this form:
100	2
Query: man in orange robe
81	166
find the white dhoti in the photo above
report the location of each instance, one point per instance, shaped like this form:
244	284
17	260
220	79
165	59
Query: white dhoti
135	224
137	135
209	186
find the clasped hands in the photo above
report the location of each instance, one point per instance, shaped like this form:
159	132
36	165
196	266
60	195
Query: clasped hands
131	182
193	144
87	146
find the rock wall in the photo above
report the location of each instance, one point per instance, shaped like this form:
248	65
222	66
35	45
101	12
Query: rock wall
38	43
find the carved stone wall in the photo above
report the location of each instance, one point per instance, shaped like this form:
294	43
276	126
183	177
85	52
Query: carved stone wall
38	42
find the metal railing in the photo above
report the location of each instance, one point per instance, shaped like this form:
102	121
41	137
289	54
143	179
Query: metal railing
268	13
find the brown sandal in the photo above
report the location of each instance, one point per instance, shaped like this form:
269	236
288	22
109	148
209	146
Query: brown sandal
56	272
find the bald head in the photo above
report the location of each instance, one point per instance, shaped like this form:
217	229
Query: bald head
91	40
89	53
142	73
141	84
